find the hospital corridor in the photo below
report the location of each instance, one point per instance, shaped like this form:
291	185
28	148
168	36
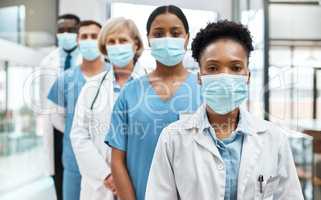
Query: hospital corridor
160	100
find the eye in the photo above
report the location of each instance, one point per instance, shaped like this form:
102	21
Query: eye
110	42
158	34
94	36
84	37
176	33
212	67
236	67
123	40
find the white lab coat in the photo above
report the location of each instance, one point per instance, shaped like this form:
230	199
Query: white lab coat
88	134
48	73
49	114
188	166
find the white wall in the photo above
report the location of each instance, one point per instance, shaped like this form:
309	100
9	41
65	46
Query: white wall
93	9
295	22
97	9
40	23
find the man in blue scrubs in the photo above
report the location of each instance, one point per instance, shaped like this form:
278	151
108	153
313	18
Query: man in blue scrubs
64	93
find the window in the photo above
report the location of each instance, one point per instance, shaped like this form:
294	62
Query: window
12	20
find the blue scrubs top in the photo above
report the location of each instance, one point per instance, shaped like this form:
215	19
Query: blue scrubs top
138	118
65	92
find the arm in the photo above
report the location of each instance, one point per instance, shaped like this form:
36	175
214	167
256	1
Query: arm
57	103
57	117
125	189
91	163
289	185
117	137
161	183
44	126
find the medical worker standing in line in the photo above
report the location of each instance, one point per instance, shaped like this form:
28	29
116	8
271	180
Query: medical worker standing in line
64	93
120	42
222	152
52	128
147	105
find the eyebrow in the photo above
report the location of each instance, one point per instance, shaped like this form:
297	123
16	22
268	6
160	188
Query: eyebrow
212	60
159	28
177	26
173	27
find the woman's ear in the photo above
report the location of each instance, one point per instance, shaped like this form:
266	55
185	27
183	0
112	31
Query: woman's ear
186	41
147	36
136	45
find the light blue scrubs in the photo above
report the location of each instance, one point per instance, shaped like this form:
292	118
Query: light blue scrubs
231	151
65	92
138	118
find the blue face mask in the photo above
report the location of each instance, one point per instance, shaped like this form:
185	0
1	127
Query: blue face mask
89	49
224	92
67	41
168	51
120	55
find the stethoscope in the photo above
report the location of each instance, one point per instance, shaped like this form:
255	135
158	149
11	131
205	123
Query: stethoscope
95	99
98	91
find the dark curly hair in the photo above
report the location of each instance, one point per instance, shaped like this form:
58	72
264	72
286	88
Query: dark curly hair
219	30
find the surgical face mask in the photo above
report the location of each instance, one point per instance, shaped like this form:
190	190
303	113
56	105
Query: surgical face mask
67	41
89	49
224	92
168	50
120	55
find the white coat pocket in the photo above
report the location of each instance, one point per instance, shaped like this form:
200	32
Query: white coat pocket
270	187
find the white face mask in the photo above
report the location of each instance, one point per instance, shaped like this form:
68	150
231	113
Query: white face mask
168	50
89	49
67	41
120	55
224	92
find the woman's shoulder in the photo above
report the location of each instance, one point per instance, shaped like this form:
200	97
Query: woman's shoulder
136	84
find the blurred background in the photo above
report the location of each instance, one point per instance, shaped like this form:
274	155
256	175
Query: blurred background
285	71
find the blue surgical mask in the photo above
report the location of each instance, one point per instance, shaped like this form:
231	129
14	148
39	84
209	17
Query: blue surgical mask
224	92
67	41
89	49
168	51
120	54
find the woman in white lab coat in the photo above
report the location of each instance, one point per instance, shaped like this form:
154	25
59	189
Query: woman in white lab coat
222	152
120	41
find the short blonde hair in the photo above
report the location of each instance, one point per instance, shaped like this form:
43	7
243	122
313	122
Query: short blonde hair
115	24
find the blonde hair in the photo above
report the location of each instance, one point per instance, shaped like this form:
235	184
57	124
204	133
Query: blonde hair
115	24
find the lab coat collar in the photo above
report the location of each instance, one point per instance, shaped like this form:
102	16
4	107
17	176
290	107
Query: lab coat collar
252	144
247	124
137	72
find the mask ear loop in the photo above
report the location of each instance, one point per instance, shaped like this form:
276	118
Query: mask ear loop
97	93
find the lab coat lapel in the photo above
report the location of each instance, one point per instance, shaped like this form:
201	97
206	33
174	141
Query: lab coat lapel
201	137
250	154
205	141
251	151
